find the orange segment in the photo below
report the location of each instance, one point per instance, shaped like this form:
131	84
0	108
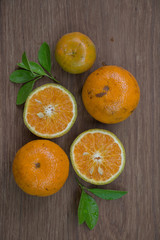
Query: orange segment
97	156
50	111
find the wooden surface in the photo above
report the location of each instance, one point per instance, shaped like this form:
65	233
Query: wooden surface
126	33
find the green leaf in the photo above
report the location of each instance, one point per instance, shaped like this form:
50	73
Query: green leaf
21	65
107	194
36	68
88	210
24	91
44	57
21	76
26	62
81	208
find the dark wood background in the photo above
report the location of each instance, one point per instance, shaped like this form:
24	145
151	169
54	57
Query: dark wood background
126	33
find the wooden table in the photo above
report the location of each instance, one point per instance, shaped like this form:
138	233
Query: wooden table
126	33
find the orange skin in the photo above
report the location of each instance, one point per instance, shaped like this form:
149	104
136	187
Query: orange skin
40	168
110	94
75	53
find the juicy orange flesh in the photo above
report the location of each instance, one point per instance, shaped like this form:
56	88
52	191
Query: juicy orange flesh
49	111
97	156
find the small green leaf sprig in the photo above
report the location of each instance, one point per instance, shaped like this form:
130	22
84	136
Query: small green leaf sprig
30	72
88	210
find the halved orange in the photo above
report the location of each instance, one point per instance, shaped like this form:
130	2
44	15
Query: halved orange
97	156
50	111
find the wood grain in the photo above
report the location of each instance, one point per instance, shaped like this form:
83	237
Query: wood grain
126	33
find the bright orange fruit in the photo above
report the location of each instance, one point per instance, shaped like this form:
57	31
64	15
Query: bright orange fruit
75	52
40	168
110	94
50	111
97	156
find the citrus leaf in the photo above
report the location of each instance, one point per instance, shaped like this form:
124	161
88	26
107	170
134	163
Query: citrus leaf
107	194
24	91
44	57
21	76
88	210
81	209
36	68
21	65
26	62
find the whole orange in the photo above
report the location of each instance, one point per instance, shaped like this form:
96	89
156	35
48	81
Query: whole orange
110	94
40	168
75	52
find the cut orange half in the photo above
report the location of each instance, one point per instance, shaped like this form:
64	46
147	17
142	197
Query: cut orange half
97	156
50	111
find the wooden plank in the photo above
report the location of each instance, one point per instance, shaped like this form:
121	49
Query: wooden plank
126	33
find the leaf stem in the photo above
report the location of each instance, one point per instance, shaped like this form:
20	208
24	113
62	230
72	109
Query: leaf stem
81	186
46	75
51	77
40	76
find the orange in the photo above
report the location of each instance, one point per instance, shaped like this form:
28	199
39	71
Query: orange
110	94
40	168
97	156
50	111
75	52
